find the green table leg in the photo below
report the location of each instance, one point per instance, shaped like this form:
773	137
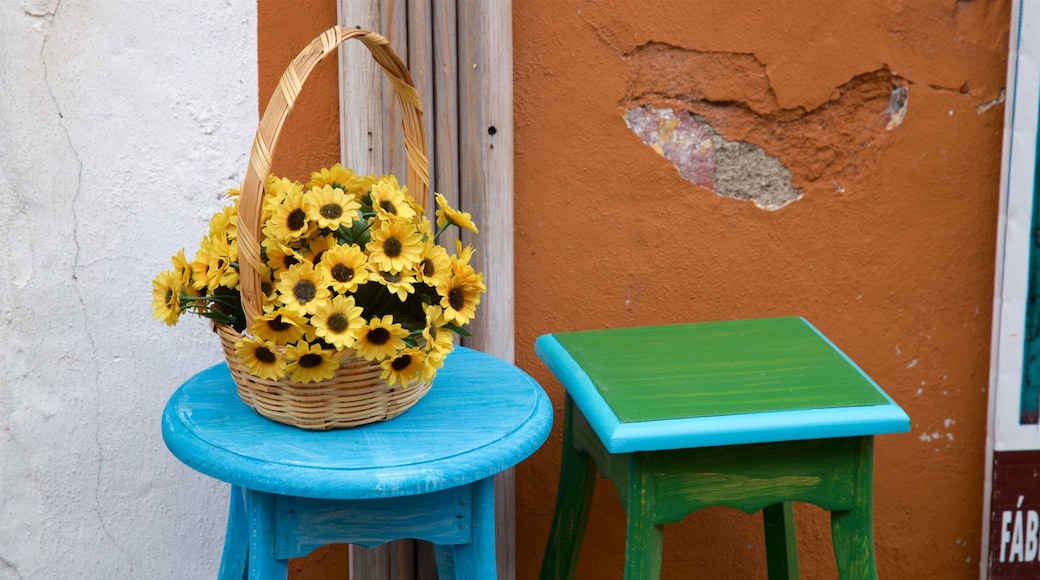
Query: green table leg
643	539
853	530
573	500
781	541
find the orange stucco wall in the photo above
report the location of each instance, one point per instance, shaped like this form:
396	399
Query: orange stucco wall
889	251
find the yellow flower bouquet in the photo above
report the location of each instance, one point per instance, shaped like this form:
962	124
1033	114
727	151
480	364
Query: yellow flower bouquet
334	304
349	264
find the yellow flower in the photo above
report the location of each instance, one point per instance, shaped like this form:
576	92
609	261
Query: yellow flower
281	326
434	266
407	366
166	297
459	300
461	267
309	363
316	247
436	336
395	246
448	215
182	269
338	321
289	222
220	272
200	265
261	358
224	223
346	266
344	178
439	341
399	283
380	338
389	200
336	176
462	255
302	288
275	191
330	207
280	256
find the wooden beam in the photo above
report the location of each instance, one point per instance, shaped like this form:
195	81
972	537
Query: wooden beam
486	191
460	54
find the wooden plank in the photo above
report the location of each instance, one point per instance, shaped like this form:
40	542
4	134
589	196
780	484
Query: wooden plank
471	165
485	44
361	111
362	148
394	26
444	116
486	162
420	63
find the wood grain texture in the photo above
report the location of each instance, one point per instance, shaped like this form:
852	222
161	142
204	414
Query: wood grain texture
482	416
781	541
663	487
436	36
725	383
371	484
723	368
486	158
361	94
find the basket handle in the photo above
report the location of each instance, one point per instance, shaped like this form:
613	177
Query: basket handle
278	108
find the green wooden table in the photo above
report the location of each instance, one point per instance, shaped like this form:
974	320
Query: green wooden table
751	414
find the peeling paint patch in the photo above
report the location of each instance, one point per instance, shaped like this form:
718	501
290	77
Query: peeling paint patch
829	147
897	106
734	169
985	106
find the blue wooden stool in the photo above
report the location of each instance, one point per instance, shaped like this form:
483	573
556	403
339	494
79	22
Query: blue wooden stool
427	474
751	414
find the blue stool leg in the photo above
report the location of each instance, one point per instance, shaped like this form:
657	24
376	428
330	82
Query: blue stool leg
475	560
236	538
263	565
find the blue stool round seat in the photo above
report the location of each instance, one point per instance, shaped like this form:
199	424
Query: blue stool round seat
427	474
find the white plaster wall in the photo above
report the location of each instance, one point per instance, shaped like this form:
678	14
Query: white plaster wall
122	124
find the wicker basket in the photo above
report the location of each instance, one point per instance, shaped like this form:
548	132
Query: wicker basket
355	395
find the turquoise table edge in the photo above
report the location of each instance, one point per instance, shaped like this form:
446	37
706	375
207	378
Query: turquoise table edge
765	427
376	482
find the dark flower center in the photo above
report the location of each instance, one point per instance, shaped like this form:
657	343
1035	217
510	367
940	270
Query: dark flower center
388	207
342	273
338	322
297	219
392	278
264	355
310	360
392	247
379	336
169	296
304	291
400	363
456	298
289	260
427	267
277	324
331	211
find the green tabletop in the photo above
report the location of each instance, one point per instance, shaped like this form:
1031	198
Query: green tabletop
779	376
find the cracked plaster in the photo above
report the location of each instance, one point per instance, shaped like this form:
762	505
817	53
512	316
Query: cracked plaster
732	169
116	144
